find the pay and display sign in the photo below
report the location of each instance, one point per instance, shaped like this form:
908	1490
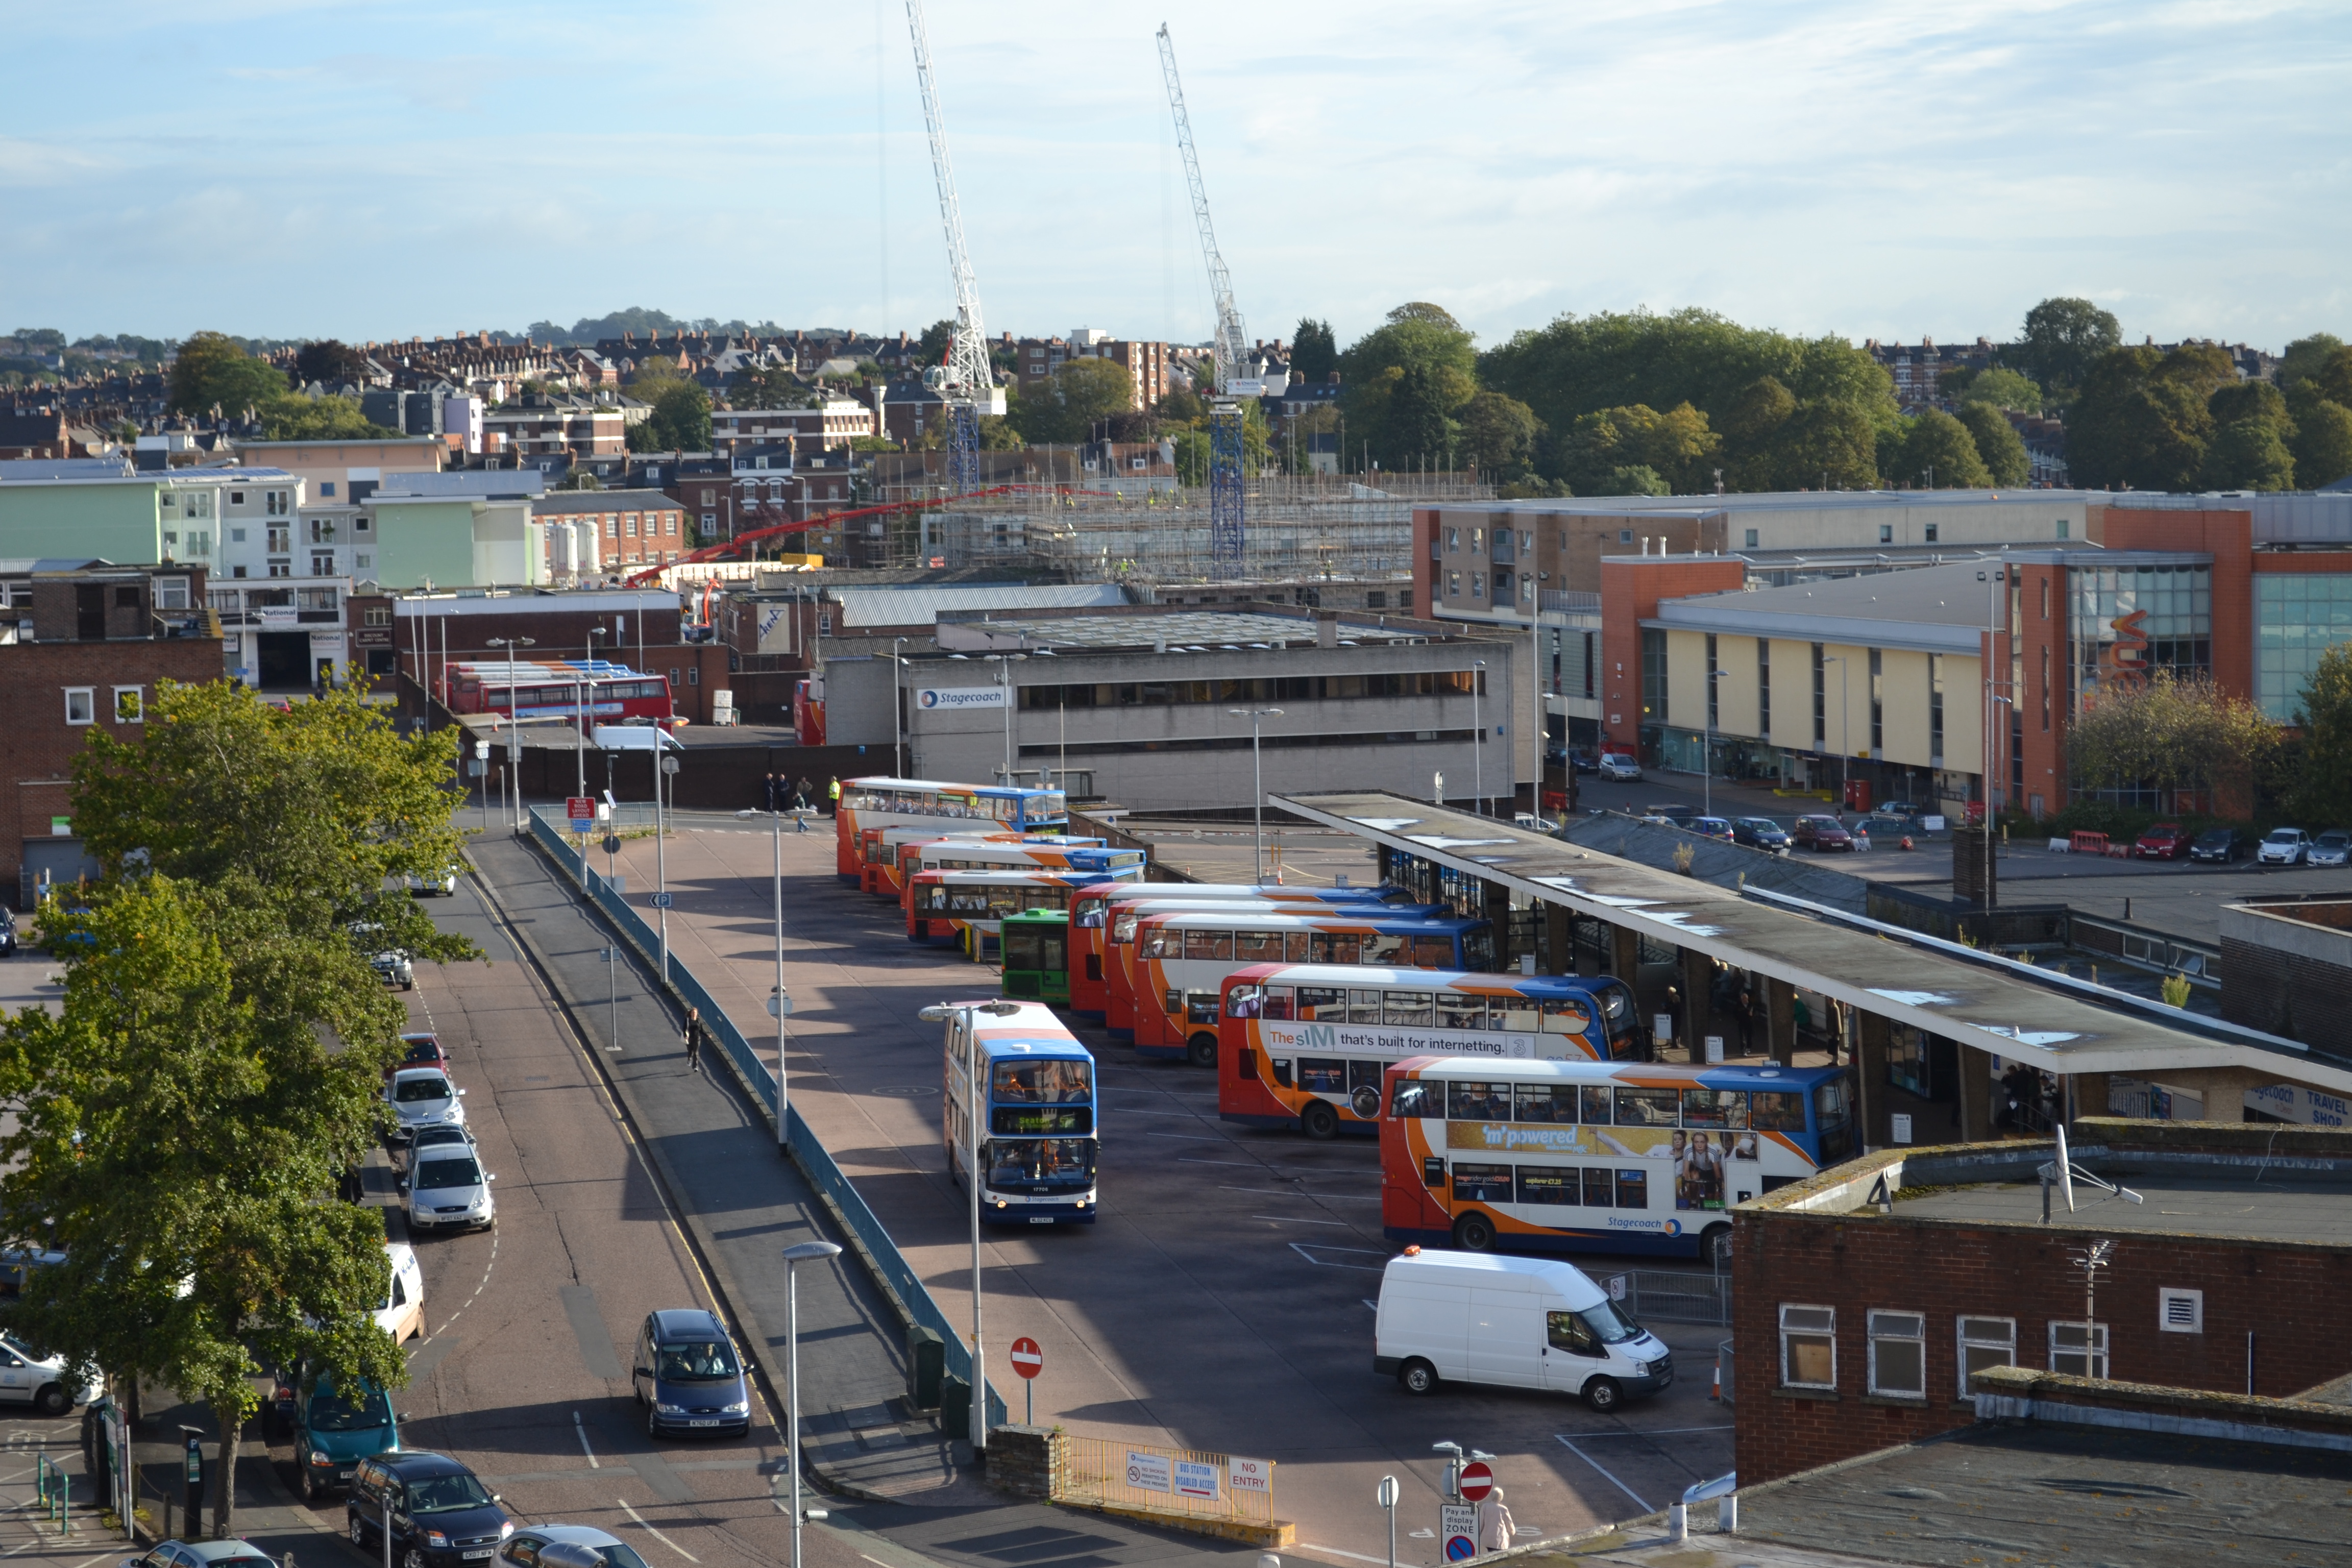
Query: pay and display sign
1457	1530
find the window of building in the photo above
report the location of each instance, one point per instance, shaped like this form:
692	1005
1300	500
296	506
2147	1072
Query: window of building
2046	598
172	594
1936	710
2078	1350
1885	533
1453	584
669	519
1986	1341
1877	708
275	503
327	489
1908	1064
1625	536
81	704
362	562
236	570
130	704
1809	1347
2298	616
2062	527
694	675
2179	1311
1751	539
281	539
377	615
1898	1355
709	520
281	569
1763	689
1821	699
236	536
629	524
1376	599
1477	585
1653	676
2045	689
1930	533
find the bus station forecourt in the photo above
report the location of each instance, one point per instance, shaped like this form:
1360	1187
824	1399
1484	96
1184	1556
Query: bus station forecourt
1223	1300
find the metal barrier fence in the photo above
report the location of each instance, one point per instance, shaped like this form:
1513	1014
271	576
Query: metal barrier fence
807	1151
1655	1295
1107	1472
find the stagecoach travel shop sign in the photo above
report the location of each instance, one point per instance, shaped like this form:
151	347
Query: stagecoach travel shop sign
956	699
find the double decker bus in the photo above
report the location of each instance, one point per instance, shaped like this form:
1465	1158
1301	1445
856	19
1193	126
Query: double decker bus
1124	967
878	802
1036	946
1023	855
879	851
1539	1157
964	909
1092	920
603	691
1037	1153
1182	961
1304	1045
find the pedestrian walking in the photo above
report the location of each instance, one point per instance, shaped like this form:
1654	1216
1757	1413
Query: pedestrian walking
833	796
803	794
1496	1526
694	1033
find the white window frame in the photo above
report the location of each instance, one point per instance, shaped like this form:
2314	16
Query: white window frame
1825	1330
2096	1360
1963	1342
2189	1317
138	695
88	695
1881	1320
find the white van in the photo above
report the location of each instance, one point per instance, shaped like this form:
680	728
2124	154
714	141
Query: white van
403	1313
1517	1322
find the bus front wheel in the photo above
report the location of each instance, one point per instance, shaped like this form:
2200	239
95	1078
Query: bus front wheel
1203	1050
1318	1119
1474	1233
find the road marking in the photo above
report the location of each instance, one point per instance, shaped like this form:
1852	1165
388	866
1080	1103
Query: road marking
656	1535
1189	1137
1285	1219
583	1431
1605	1476
1646	1432
1244	1164
1300	1247
1352	1556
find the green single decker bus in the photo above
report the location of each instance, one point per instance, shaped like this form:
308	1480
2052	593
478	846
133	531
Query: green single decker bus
1036	947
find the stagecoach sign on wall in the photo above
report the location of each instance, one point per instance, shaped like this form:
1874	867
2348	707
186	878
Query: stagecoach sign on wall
956	699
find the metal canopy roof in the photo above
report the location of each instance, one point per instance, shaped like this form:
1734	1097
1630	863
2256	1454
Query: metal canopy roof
1995	1004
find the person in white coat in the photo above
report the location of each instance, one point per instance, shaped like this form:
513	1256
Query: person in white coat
1495	1524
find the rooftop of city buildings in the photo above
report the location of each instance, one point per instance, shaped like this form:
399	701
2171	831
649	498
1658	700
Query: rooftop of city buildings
914	606
1180	629
600	501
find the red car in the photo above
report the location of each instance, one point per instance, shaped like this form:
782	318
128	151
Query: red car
2164	841
419	1051
1820	833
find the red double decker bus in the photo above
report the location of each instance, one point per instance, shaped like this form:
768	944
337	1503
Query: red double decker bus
605	692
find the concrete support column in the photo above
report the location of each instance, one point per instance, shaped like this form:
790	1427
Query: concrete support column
2086	1095
1625	962
1698	1012
1497	899
1870	1080
1976	1090
1781	1021
1560	940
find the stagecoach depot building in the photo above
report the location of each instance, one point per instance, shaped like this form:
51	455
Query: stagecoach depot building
1135	705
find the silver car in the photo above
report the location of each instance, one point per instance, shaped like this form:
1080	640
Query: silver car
2331	847
447	1189
423	1097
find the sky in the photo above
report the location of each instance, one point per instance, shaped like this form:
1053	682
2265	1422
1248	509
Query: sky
311	168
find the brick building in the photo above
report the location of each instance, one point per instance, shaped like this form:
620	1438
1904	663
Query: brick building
642	628
1865	1297
633	528
86	650
1035	360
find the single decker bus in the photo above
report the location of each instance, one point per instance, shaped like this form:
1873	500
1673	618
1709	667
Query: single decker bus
964	909
1540	1156
1305	1045
877	802
1036	946
1082	856
1036	1127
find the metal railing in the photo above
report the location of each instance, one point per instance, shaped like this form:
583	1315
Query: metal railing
1658	1296
1104	1470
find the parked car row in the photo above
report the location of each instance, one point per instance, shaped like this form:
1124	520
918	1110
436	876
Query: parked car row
443	1186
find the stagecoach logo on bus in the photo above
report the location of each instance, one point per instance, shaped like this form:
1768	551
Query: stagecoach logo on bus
956	698
1393	1042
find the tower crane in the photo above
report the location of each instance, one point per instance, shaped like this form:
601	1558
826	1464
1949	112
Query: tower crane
1234	377
963	378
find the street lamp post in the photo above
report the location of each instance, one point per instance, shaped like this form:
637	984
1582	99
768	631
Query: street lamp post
1845	718
1477	737
781	1003
1005	663
897	666
514	723
975	1104
804	1252
1707	747
665	767
1257	782
581	689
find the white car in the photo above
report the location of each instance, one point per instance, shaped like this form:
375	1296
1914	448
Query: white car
423	1097
1619	766
447	1189
27	1377
446	884
403	1313
2284	847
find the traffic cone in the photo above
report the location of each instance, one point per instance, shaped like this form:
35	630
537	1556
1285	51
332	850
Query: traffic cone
1716	1392
1906	841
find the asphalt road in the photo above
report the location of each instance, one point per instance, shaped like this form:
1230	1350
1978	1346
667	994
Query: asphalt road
1223	1303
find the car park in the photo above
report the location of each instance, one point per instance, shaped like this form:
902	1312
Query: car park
2331	847
2218	845
28	1377
1819	832
1759	832
441	1515
2284	847
1619	767
445	1188
335	1428
231	1554
567	1546
1711	827
2164	841
423	1097
687	1376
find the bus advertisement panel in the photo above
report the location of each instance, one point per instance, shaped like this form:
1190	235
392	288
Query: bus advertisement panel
1090	919
1038	1152
964	909
1123	965
876	802
1479	1153
1025	855
1036	948
1305	1045
1182	961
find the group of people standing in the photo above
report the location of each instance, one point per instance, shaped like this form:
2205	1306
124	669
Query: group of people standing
779	793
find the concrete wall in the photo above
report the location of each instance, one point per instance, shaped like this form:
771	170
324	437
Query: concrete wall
112	521
1736	689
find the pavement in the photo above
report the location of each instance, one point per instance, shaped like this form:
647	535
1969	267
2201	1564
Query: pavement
1223	1303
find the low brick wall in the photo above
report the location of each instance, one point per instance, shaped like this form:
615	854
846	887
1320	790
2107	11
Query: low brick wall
1020	1461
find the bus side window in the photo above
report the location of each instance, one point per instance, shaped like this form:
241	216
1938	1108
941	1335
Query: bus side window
1387	950
1433	953
1257	947
1361	1073
1241	1002
1322	1004
1648	1108
1415	1097
1565	1015
1345	946
1363	1006
1294	946
1540	1102
1408	1009
1595	1107
1477	1102
1199	944
1277	1002
1458	1012
1323	1075
1514	1015
1281	1066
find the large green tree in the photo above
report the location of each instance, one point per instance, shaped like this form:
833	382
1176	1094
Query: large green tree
2003	388
1313	351
1498	433
328	418
2142	420
1675	448
2323	443
2174	734
1935	451
2323	788
1424	340
212	371
2003	450
1086	392
2305	355
330	361
2250	445
767	386
2064	338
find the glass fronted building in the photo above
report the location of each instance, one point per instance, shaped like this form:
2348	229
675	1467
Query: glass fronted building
2128	621
2298	616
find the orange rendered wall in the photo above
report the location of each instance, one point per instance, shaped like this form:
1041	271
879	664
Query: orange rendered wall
1631	590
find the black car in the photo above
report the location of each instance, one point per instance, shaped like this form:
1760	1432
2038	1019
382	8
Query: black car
1581	759
441	1516
2219	844
1679	815
1758	833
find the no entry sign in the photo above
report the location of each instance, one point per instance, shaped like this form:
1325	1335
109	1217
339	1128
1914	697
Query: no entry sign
1027	1358
1477	1481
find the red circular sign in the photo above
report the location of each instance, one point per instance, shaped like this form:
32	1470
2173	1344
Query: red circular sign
1477	1481
1029	1361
